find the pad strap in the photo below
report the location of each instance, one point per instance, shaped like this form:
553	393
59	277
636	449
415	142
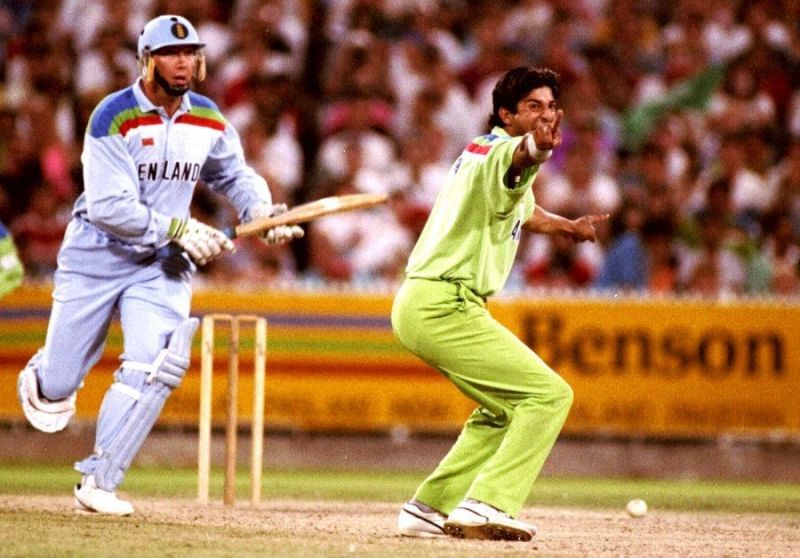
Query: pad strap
125	389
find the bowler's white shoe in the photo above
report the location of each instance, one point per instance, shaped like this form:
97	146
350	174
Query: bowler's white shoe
43	414
475	520
92	499
413	521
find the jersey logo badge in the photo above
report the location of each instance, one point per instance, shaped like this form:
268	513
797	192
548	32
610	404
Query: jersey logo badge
148	141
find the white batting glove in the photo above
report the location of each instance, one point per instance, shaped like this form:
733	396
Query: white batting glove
280	234
202	242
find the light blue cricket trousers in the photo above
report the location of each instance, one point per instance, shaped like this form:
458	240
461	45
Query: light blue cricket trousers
97	278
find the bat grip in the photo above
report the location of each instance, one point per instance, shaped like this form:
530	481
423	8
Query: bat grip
230	232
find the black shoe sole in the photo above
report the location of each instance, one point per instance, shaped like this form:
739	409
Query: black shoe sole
487	532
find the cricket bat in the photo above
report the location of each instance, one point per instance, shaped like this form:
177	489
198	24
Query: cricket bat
307	212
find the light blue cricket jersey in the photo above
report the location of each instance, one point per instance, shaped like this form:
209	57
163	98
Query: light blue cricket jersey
140	167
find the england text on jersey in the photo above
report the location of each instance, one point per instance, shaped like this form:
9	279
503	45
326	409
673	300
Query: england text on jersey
168	170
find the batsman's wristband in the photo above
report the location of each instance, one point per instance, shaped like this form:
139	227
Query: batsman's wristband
177	227
539	155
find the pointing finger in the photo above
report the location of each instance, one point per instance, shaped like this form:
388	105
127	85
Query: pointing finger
557	121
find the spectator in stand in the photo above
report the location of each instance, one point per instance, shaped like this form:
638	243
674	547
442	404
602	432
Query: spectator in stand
108	65
775	70
491	56
427	23
423	170
13	16
642	258
751	193
410	69
592	124
713	268
361	66
793	116
633	30
764	23
39	231
80	22
786	178
280	19
258	51
782	251
456	115
359	77
579	189
19	169
445	103
358	246
528	23
271	124
558	263
41	65
672	144
718	202
57	158
724	36
372	160
367	91
652	189
614	77
740	105
210	21
276	156
663	260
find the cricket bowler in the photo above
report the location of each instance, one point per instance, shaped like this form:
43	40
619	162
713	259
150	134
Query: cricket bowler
145	148
463	256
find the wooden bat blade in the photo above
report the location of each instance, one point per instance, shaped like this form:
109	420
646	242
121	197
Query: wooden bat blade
308	212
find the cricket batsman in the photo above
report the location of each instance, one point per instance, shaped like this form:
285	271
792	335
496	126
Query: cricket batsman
463	256
132	249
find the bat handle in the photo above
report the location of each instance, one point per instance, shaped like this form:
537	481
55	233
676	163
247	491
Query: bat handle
230	232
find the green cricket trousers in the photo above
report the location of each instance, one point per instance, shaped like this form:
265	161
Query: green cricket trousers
522	402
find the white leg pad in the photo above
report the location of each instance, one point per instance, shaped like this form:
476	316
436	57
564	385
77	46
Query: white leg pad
165	375
43	414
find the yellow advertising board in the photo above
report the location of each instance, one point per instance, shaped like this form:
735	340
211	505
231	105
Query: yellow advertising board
669	368
638	367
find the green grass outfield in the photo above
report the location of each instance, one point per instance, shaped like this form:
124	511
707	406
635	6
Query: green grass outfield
678	495
44	525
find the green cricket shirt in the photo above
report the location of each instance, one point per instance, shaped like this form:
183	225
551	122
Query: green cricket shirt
472	234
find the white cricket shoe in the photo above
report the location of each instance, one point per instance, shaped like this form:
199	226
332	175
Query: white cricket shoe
413	521
92	499
475	520
43	414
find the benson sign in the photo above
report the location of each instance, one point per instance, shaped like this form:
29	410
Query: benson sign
668	367
639	368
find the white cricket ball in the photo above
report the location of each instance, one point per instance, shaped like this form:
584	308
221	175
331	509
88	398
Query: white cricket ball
636	508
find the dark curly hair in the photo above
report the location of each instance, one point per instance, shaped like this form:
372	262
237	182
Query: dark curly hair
515	85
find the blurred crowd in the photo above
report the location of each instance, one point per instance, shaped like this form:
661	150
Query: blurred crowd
342	96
